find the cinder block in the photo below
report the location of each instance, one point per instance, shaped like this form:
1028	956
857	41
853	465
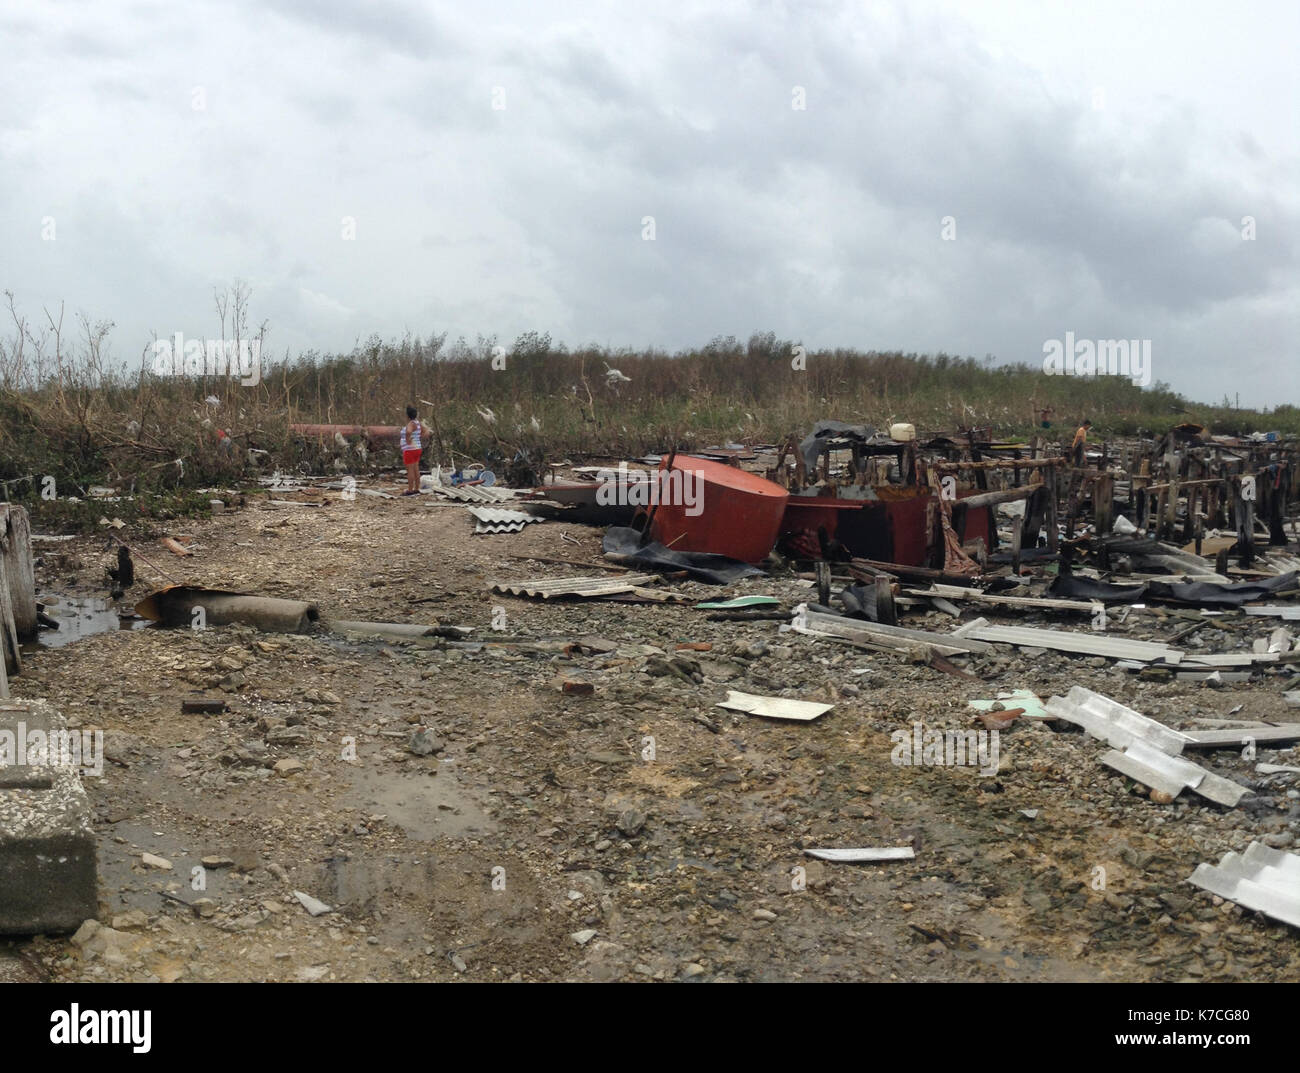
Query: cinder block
48	877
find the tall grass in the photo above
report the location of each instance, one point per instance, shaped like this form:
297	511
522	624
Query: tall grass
65	413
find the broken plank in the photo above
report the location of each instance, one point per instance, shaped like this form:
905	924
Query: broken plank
956	592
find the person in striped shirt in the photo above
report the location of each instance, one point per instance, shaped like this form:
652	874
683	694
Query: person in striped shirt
409	442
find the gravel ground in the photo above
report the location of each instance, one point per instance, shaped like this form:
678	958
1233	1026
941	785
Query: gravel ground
463	817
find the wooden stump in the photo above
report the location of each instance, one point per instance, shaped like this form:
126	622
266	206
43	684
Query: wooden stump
16	551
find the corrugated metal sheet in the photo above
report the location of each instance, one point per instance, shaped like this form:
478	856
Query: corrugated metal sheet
820	623
1113	723
1283	611
546	588
474	493
1264	879
1092	644
1142	748
496	520
1234	739
1172	774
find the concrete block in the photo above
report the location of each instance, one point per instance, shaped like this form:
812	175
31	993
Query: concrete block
48	877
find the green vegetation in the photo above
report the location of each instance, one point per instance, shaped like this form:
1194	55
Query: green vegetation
80	424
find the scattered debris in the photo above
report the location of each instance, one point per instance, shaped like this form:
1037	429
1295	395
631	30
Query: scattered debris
313	905
850	856
1026	700
175	546
739	602
204	706
587	587
774	707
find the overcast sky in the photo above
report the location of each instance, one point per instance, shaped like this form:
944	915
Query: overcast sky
1098	160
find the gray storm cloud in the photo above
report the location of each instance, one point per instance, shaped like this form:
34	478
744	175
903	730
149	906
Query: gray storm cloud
172	150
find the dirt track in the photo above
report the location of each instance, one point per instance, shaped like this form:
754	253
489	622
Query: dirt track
535	782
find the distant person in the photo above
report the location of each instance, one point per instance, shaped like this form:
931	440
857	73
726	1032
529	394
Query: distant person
1080	441
1045	416
409	442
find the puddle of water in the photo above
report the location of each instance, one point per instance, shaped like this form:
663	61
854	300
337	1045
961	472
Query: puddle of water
359	881
79	617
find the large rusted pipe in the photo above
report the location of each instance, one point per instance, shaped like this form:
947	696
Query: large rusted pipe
176	606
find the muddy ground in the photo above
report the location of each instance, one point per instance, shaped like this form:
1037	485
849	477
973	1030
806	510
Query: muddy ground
548	838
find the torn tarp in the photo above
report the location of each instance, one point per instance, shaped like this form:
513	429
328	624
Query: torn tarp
623	544
824	431
1210	594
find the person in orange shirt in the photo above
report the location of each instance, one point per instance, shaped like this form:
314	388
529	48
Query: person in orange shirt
1080	439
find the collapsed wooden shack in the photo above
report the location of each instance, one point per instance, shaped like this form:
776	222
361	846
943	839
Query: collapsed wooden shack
932	504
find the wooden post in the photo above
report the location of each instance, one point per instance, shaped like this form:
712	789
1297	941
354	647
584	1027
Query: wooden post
16	550
1189	520
1244	511
1053	536
1103	513
10	653
4	635
1171	506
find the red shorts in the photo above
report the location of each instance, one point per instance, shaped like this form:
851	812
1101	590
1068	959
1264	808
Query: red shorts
410	456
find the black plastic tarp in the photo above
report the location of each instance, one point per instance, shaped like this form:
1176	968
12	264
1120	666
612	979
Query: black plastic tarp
624	544
1073	587
1210	594
1196	593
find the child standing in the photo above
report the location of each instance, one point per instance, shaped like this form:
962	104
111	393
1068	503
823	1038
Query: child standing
409	442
